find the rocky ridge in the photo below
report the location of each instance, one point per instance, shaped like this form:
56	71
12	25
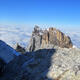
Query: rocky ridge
45	64
41	38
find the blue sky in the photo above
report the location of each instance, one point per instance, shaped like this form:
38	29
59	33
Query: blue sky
41	12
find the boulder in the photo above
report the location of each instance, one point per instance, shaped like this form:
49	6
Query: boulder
20	49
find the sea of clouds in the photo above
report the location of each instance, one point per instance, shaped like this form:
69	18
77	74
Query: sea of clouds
19	34
13	35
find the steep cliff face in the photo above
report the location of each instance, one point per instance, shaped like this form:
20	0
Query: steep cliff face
36	39
41	38
58	38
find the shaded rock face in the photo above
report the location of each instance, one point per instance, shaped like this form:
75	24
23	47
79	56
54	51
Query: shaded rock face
7	53
41	38
2	67
30	66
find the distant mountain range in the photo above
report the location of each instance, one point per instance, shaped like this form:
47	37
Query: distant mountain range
12	35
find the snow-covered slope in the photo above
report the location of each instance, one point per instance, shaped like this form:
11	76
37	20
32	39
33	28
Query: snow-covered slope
12	35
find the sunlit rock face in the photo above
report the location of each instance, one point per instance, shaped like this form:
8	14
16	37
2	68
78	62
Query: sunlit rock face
58	38
65	65
40	38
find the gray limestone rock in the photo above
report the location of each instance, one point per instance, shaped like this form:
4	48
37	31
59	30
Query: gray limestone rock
54	37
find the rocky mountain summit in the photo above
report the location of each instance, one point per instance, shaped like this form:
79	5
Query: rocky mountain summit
41	38
49	56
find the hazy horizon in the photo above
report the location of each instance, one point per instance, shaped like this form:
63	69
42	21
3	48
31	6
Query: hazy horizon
18	18
45	13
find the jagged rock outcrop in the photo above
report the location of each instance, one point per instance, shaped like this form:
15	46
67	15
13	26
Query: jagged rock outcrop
20	49
36	39
56	37
41	38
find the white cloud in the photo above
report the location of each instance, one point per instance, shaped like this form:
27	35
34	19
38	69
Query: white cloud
12	35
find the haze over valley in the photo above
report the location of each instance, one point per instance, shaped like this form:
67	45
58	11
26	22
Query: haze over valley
21	35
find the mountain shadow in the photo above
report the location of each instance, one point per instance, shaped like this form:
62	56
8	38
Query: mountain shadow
40	65
30	66
2	66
